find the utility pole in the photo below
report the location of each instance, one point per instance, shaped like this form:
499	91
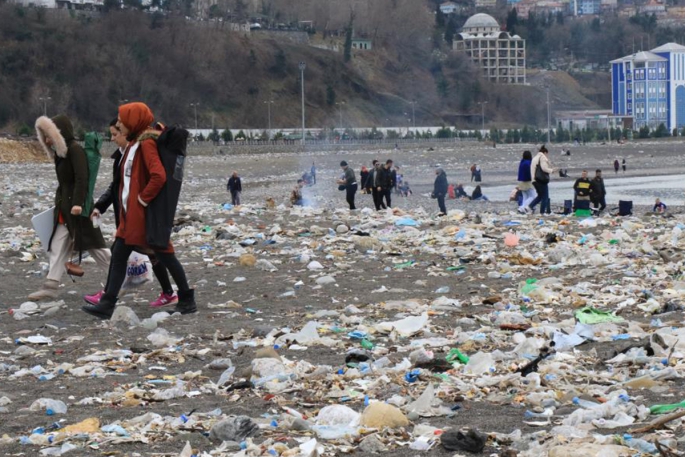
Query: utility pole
302	66
413	113
45	104
195	105
549	118
268	104
482	116
340	104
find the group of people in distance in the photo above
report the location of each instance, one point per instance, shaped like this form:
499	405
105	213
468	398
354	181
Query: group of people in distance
138	178
533	185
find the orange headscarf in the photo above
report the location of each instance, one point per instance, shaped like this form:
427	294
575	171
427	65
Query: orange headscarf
137	117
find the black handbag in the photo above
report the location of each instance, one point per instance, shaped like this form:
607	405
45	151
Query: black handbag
342	187
540	176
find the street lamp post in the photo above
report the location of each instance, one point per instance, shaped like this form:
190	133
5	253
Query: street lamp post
549	118
268	104
482	116
195	105
45	104
302	66
413	113
340	104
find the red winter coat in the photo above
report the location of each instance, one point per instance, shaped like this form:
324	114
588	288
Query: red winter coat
147	179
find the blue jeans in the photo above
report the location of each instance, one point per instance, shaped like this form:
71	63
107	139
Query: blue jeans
542	198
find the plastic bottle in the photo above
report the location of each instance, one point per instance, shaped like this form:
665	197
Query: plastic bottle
639	444
96	221
546	414
662	409
585	403
455	355
51	406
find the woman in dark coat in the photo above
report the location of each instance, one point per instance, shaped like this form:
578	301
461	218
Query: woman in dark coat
440	189
72	230
142	179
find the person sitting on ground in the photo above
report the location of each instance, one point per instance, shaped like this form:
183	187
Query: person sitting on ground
450	192
296	195
460	192
478	195
563	173
659	207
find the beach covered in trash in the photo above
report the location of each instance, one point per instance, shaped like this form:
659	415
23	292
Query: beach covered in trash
325	331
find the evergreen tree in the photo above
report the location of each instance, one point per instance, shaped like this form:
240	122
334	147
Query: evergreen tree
450	30
227	136
512	21
330	95
439	17
214	136
347	51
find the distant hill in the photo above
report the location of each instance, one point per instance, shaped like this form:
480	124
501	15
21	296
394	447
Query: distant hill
86	65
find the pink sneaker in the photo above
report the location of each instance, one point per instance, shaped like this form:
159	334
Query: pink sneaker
95	298
164	300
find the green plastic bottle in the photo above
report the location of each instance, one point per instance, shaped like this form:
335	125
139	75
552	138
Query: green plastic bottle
366	344
663	409
456	356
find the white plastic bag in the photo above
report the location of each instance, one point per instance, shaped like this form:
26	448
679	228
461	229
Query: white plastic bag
138	271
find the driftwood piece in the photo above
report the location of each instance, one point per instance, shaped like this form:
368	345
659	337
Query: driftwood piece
658	423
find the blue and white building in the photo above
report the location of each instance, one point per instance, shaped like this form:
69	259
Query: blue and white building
650	87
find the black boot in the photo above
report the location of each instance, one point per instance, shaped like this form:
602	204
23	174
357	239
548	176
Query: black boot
102	310
186	302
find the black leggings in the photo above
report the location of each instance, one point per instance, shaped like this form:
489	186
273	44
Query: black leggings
117	268
159	271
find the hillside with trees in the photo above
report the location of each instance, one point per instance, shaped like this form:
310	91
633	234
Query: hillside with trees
86	64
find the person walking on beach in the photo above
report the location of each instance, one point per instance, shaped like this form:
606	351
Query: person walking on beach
623	164
363	177
313	172
477	174
235	187
525	182
350	183
71	230
440	190
111	198
598	192
616	166
389	181
142	178
473	172
540	170
376	180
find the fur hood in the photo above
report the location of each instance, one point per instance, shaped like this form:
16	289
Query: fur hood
59	130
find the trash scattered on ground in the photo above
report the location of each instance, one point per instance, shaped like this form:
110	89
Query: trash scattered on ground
328	332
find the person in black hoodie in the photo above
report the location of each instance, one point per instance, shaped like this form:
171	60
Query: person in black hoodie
235	187
389	182
440	190
375	182
598	192
111	198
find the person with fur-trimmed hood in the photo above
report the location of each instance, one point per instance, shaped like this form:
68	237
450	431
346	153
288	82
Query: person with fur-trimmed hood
142	178
72	230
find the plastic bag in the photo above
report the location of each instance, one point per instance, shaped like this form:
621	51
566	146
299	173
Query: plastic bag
138	271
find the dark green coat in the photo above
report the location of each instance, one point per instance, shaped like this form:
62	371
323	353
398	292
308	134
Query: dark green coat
72	178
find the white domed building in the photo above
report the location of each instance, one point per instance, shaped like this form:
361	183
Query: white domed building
502	56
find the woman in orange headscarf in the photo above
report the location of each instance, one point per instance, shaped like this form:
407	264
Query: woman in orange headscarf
142	178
